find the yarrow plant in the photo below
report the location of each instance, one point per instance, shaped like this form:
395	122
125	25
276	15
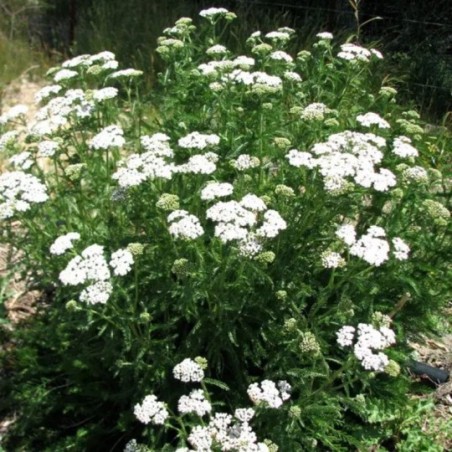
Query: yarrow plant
274	210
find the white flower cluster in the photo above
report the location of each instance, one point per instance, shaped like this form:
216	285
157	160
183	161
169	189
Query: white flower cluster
213	12
46	92
18	191
259	82
111	136
325	35
147	166
91	268
279	55
269	393
126	73
347	154
315	112
331	259
121	262
415	174
18	111
195	403
47	148
184	226
227	434
403	148
105	61
279	36
64	243
353	52
372	246
59	110
373	119
151	411
64	74
188	371
217	49
239	221
99	95
156	162
196	140
368	340
245	161
22	160
215	190
8	139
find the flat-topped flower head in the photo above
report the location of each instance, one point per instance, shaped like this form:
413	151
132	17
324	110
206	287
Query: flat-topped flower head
64	243
372	119
18	191
151	411
111	136
16	112
212	14
121	261
196	140
188	371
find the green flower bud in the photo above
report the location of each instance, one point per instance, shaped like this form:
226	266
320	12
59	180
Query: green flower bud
387	91
73	172
272	447
435	209
95	69
290	324
379	320
397	193
304	55
201	362
145	317
296	110
72	306
135	248
267	106
168	202
331	122
180	268
184	21
392	369
281	295
267	200
267	257
281	142
284	190
295	411
262	49
308	343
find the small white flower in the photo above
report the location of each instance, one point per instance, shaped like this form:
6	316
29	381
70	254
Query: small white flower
188	371
109	92
97	293
13	113
64	74
195	403
151	411
215	190
126	73
279	55
345	336
121	262
244	162
325	35
401	249
111	136
47	148
372	119
196	140
347	234
331	259
64	243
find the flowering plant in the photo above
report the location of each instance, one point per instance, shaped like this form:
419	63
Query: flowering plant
279	209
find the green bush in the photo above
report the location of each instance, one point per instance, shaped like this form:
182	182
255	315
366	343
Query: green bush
272	227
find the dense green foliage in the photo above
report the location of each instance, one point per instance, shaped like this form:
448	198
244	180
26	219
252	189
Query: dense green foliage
259	290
